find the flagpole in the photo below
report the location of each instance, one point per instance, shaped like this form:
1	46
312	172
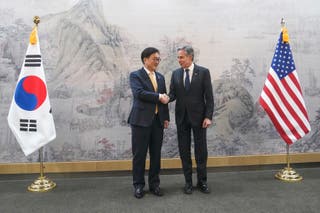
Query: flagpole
42	183
283	23
288	161
287	174
41	161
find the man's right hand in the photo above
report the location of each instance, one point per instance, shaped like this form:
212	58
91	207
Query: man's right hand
164	98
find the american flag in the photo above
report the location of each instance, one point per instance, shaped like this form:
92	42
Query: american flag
281	96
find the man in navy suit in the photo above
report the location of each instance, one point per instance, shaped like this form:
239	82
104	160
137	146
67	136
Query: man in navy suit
191	88
148	117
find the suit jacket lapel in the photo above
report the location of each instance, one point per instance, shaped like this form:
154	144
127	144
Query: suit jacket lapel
180	80
195	75
158	81
147	79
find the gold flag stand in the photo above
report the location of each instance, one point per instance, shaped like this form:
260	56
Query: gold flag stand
42	183
288	174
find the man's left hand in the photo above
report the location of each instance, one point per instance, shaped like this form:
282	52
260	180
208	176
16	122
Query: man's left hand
166	124
206	123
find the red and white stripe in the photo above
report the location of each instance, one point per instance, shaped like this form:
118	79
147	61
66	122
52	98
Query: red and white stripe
283	102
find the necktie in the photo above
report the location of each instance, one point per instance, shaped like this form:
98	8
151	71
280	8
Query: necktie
187	80
153	81
155	86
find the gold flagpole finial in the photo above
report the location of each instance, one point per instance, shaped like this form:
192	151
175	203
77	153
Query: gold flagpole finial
36	20
33	36
285	35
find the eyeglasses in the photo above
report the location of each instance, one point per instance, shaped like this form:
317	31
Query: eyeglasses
156	59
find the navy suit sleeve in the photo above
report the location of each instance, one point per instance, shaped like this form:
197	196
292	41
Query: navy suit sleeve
172	92
166	108
208	95
140	92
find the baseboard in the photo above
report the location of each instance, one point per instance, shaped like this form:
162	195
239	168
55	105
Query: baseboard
173	163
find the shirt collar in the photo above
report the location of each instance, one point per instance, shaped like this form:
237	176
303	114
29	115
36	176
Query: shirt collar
191	67
148	71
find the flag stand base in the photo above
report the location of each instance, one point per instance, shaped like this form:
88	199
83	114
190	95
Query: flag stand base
42	184
288	174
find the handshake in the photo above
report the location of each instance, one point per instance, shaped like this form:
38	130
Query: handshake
164	98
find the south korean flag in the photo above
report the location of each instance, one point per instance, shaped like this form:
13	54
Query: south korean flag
30	118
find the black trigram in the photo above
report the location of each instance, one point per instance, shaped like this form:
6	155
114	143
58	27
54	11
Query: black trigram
27	125
32	61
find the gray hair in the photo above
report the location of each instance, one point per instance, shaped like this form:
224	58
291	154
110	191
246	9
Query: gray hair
188	49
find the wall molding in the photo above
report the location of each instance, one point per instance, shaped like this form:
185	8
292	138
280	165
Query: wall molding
172	163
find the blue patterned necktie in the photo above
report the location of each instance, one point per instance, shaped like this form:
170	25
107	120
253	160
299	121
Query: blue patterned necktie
187	80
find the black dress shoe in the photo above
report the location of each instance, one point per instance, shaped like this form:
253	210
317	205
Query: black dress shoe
188	188
138	192
156	191
203	188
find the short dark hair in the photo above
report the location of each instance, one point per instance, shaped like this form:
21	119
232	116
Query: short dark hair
188	49
147	52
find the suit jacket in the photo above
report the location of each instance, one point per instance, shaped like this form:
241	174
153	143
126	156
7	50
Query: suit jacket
198	101
145	99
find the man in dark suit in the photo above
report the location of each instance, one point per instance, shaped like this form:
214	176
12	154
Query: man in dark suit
148	117
191	88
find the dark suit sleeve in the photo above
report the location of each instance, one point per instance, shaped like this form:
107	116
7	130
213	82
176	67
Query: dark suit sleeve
208	95
172	92
166	108
140	92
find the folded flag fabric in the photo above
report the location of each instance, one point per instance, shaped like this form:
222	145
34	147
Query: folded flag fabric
30	118
281	96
